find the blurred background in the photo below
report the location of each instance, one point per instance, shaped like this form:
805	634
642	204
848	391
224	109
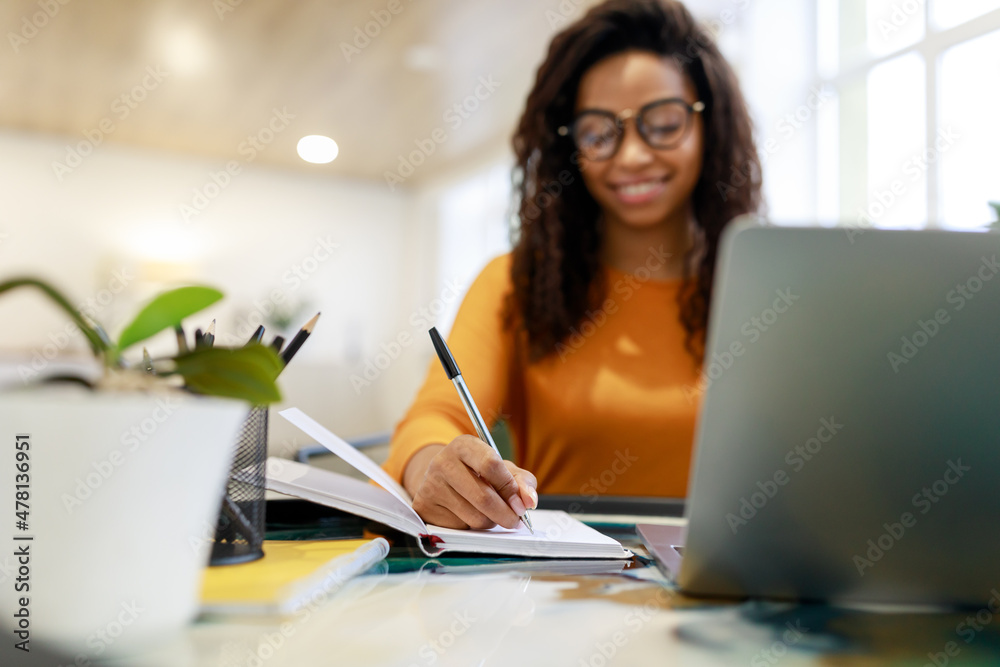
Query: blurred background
150	143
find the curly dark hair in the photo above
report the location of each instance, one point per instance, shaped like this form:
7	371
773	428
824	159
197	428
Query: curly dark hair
556	267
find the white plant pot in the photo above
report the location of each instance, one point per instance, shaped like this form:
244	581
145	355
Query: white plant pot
124	495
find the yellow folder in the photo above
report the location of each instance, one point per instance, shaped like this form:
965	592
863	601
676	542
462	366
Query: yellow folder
289	576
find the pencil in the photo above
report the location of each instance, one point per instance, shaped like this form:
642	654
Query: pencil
277	343
298	339
182	346
210	335
257	335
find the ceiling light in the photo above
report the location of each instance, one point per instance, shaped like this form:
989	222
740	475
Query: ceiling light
186	51
423	58
163	242
317	149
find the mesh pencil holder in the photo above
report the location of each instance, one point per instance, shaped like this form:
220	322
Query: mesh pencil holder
239	534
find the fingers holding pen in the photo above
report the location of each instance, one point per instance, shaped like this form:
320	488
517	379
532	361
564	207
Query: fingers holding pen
449	510
488	485
492	470
481	456
527	485
466	481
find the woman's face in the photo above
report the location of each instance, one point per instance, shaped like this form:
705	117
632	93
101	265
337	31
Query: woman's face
640	186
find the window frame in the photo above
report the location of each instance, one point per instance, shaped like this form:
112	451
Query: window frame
859	64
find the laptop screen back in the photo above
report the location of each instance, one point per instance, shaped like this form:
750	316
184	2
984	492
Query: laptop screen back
849	440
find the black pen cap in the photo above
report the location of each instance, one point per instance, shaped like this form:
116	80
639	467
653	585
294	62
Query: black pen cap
444	354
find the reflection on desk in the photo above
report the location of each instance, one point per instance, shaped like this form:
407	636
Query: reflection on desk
442	614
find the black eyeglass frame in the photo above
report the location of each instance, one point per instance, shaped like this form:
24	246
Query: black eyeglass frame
620	118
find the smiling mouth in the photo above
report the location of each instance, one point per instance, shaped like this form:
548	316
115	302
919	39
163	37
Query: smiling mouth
641	191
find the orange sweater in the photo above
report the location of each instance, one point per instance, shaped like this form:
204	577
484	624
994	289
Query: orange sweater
612	412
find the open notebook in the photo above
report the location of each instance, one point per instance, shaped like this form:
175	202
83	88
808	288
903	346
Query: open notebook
557	534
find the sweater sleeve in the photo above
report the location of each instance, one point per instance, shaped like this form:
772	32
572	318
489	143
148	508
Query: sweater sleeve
483	350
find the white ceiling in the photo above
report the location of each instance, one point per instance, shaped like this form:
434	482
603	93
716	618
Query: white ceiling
230	63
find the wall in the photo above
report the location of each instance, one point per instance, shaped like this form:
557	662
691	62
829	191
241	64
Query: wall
112	232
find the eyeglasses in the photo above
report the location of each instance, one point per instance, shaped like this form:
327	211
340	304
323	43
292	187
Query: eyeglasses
662	124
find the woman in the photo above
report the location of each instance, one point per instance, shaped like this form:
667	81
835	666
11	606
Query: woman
587	338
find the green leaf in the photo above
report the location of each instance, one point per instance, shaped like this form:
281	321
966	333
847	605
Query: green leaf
246	373
96	344
167	311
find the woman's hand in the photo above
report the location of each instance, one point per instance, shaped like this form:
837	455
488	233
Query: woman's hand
465	484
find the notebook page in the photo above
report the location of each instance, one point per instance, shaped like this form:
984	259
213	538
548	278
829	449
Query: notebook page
359	461
342	492
556	534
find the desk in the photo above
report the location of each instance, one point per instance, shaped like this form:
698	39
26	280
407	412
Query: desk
510	618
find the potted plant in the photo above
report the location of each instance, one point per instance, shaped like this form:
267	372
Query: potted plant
119	485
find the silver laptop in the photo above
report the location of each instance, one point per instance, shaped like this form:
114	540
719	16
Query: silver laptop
848	447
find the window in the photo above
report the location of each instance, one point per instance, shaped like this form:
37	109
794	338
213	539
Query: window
911	137
473	229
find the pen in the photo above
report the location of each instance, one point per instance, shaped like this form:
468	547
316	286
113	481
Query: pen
455	375
298	339
277	343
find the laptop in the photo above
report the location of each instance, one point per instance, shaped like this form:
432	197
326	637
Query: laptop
848	446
